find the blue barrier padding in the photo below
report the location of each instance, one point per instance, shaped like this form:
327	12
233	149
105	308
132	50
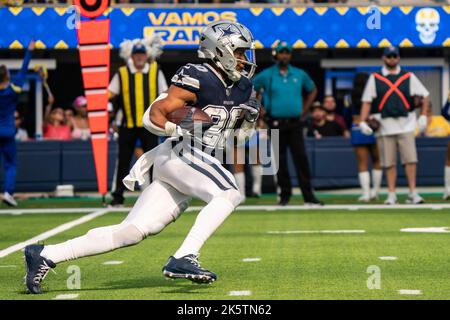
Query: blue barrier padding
45	164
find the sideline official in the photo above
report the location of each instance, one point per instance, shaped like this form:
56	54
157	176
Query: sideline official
137	84
389	97
282	86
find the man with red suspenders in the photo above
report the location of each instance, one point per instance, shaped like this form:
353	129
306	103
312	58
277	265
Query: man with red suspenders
389	97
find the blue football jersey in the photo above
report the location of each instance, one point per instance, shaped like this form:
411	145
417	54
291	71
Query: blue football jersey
219	101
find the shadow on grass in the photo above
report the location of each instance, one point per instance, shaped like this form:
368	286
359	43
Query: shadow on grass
165	285
162	286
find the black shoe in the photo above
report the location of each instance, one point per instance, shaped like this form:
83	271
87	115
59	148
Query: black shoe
314	202
37	268
188	267
253	195
116	203
283	201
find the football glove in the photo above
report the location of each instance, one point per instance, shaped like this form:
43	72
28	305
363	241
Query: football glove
252	108
365	129
422	122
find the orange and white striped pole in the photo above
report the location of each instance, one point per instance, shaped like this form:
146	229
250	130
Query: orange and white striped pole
93	40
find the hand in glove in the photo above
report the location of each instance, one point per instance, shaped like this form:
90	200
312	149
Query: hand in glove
365	129
252	108
422	122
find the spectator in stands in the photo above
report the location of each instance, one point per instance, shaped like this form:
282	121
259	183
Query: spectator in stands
285	106
437	126
389	96
69	113
365	146
79	122
9	94
329	105
55	127
320	126
21	134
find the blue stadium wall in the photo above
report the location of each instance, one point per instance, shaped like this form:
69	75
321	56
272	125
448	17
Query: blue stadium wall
43	165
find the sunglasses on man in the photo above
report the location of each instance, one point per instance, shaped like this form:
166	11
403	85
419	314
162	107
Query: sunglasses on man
392	56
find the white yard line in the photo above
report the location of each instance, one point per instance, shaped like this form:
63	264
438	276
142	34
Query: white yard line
427	230
52	232
251	259
240	293
112	262
407	291
66	296
388	258
316	231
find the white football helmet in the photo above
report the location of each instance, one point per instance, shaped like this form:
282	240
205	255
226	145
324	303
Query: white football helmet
220	39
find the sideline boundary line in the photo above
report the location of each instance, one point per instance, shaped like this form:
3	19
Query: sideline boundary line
432	206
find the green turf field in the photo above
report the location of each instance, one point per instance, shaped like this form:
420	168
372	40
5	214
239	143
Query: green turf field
291	266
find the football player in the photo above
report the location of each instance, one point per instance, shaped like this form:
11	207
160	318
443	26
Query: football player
221	88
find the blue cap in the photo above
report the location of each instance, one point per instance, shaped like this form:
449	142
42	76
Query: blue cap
391	51
138	48
283	45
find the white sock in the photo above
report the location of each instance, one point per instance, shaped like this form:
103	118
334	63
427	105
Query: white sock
257	171
96	241
364	181
85	245
447	179
240	180
207	222
377	177
392	195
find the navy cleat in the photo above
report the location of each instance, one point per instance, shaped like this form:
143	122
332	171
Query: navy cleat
37	268
188	267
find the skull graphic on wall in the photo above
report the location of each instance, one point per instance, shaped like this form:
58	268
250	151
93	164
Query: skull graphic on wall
427	23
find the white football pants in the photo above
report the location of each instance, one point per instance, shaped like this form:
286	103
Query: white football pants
179	175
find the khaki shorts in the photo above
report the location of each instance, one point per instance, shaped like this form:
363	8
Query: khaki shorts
388	145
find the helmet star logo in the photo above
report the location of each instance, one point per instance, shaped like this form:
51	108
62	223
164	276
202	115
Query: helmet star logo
227	31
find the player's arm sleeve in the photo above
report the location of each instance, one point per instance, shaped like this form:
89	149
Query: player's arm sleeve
114	85
417	88
187	78
162	82
147	122
19	79
308	83
370	91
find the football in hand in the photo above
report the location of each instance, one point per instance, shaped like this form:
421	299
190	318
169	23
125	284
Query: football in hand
374	124
198	115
